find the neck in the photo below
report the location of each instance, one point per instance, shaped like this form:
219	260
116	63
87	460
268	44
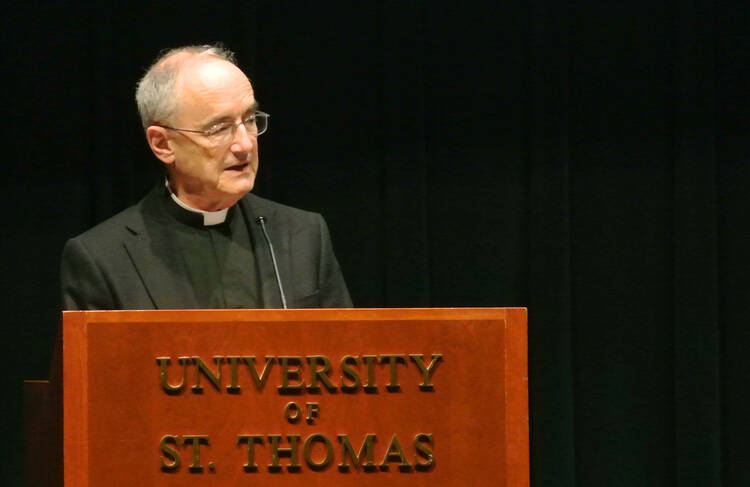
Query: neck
202	202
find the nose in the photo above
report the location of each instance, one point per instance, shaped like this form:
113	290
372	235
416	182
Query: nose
243	141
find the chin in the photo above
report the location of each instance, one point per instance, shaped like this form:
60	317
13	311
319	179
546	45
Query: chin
249	185
241	189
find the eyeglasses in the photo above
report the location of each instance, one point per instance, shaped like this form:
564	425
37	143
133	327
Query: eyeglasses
224	132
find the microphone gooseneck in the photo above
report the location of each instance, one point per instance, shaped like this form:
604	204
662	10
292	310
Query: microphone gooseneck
262	221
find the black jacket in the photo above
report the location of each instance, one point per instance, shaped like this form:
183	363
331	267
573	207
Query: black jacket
128	261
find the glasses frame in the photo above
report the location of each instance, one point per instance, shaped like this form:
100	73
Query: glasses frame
211	132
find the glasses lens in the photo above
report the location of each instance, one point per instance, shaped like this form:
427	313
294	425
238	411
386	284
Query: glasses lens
261	122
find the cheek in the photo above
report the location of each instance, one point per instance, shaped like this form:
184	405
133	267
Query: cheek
215	161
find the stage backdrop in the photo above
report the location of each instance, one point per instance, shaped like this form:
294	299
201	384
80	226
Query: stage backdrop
585	159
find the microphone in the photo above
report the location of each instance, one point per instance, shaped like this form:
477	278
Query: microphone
262	221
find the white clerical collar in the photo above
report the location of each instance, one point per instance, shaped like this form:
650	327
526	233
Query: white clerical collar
209	217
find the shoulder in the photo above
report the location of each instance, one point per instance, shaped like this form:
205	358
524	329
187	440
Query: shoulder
259	206
127	223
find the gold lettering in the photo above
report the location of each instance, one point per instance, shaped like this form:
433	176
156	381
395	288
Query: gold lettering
251	441
204	370
393	361
317	437
290	452
426	371
196	441
258	380
370	363
233	387
319	373
288	373
163	376
348	452
395	454
313	408
169	453
423	444
349	373
292	412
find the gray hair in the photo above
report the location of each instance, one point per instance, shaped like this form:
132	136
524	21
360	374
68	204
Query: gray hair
155	92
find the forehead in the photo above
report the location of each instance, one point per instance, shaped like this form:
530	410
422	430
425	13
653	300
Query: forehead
210	87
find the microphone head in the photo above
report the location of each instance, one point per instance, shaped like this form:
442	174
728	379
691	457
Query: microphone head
261	219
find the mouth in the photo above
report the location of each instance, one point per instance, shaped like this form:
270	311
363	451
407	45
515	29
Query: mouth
238	167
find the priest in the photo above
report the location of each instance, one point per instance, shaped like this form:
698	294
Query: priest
200	239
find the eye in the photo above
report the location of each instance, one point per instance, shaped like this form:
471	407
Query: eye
220	129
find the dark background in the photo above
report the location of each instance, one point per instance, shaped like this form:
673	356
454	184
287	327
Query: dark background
585	159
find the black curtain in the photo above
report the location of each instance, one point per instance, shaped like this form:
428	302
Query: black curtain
587	160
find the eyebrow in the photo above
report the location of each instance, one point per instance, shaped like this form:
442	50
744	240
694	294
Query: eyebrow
252	108
227	118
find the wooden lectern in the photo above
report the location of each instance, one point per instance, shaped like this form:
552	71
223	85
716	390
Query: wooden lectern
296	397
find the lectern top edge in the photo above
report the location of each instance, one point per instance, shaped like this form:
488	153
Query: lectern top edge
228	315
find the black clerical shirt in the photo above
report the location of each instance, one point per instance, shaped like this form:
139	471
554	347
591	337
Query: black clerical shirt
219	258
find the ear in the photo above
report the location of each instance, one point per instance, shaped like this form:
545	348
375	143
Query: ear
160	144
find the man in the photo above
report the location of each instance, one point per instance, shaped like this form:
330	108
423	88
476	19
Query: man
200	240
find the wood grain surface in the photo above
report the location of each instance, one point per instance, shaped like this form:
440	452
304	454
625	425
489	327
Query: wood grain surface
116	411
